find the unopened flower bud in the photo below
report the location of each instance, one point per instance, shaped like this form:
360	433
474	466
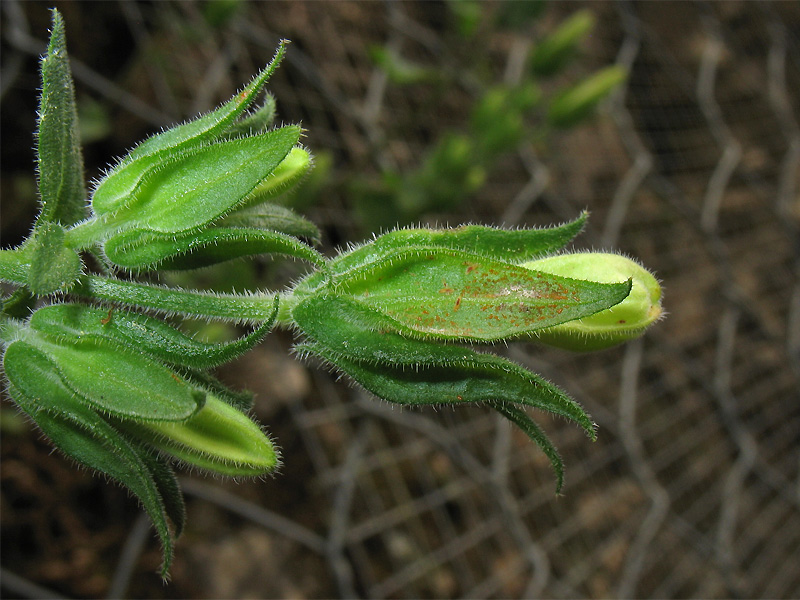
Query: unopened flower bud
620	323
218	438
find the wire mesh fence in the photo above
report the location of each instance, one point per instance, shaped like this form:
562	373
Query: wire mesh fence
693	487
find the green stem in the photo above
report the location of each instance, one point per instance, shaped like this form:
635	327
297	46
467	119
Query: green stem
250	308
14	265
86	234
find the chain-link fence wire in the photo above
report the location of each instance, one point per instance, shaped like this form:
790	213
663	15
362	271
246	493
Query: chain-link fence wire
693	487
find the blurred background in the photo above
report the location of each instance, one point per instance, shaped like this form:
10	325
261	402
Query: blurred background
441	113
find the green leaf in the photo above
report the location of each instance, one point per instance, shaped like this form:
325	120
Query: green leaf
204	185
79	432
361	342
141	333
115	190
274	218
448	294
117	382
60	163
53	266
140	249
508	245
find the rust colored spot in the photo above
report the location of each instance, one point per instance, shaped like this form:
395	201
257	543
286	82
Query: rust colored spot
107	319
458	303
176	378
459	398
471	267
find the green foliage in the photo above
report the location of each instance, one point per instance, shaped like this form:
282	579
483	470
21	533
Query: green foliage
60	162
131	394
504	115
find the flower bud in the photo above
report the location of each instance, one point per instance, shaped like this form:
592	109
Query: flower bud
554	51
218	438
622	322
578	102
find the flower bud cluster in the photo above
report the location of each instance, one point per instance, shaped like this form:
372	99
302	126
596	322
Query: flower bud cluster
124	393
390	314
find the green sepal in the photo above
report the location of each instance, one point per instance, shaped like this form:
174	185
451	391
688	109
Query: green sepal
521	419
140	333
274	218
452	295
204	185
116	188
361	343
169	489
142	250
18	304
508	245
578	102
241	400
115	381
53	267
59	159
554	52
257	121
82	434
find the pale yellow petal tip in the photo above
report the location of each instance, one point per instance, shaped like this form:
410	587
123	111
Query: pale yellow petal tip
627	320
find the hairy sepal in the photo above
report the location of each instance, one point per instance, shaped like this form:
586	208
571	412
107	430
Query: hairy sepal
115	190
520	418
140	333
141	250
508	245
52	267
273	217
59	159
82	434
452	295
114	381
204	185
363	344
